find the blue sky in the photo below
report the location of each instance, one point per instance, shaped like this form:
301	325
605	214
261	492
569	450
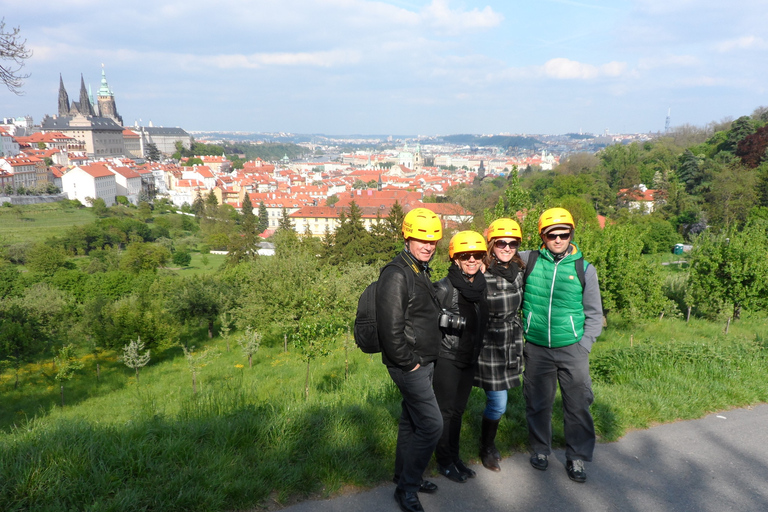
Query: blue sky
400	66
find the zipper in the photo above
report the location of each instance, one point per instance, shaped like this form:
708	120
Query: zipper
573	327
549	312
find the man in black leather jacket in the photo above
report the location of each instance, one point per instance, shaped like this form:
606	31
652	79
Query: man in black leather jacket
407	322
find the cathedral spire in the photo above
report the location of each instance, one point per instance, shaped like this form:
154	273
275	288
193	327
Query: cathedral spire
85	103
63	98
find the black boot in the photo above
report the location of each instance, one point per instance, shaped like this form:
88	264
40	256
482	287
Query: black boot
489	455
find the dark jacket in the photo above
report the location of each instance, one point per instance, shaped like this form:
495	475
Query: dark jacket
461	345
407	325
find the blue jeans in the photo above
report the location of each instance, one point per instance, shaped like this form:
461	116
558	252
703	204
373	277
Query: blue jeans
495	404
420	427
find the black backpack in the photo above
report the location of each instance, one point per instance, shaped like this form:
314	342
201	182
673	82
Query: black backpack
366	332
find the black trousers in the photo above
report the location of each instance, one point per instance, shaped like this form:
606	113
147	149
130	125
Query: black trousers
453	383
545	368
420	425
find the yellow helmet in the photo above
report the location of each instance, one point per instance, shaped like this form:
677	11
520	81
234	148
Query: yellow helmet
501	228
555	216
422	224
466	241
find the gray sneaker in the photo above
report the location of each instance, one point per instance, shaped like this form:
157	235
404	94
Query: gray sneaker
576	472
539	461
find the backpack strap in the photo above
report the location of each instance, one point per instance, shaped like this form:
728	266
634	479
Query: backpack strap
579	263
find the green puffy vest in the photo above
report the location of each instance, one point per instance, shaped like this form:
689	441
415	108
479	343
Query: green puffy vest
553	310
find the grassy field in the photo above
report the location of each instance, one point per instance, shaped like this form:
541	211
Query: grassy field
248	437
36	223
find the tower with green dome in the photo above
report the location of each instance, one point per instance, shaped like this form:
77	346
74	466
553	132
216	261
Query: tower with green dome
106	101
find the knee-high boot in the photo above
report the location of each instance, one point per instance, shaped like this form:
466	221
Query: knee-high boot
489	455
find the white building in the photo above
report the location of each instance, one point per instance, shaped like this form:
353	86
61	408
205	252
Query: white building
88	182
127	183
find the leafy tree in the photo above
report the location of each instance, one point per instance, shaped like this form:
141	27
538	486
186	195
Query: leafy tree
198	299
13	51
225	321
731	195
132	356
67	364
332	200
211	201
197	361
740	129
46	259
182	258
20	338
198	205
313	339
752	148
139	257
249	341
513	200
729	271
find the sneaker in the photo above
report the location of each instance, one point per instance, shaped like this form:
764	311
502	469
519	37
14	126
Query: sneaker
539	461
575	469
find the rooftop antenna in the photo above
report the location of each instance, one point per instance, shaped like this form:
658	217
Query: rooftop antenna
666	124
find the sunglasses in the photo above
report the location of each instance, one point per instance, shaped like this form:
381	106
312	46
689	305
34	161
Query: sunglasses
503	244
554	236
465	256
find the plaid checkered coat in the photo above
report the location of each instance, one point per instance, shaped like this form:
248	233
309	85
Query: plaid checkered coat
500	364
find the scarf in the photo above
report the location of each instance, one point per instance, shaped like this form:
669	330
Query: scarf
508	272
472	292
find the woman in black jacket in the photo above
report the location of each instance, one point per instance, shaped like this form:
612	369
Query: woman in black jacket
465	315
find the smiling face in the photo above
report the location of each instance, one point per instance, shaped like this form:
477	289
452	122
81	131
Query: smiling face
422	250
469	262
503	248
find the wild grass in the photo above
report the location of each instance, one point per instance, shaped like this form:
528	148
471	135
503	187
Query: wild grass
39	222
248	437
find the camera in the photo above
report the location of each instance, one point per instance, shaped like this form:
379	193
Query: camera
448	320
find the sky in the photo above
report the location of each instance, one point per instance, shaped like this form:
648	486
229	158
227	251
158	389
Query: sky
400	67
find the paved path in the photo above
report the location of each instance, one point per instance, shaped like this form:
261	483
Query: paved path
718	463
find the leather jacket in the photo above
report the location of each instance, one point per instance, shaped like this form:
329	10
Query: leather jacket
407	324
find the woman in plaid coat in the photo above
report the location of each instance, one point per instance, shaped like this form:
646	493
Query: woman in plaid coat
500	364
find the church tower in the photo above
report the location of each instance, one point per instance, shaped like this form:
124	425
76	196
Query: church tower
63	98
107	107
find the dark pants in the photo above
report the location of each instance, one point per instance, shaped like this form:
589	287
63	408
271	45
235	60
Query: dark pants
544	369
420	425
453	383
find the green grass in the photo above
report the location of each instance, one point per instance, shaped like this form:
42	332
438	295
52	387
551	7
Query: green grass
38	222
248	437
198	266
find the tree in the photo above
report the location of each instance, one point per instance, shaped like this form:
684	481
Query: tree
247	209
67	365
249	341
201	299
285	222
332	200
313	339
198	205
263	223
152	153
133	357
729	271
752	148
13	53
196	362
181	258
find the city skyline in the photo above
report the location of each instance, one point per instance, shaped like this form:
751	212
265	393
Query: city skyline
432	67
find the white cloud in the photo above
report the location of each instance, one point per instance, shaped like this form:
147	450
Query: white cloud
742	43
326	59
441	17
566	69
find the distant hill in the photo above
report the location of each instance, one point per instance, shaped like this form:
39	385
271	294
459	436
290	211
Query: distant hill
503	141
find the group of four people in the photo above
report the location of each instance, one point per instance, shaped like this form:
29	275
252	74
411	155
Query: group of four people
439	340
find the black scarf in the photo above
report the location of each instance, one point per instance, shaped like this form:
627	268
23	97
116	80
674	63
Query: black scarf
509	272
472	292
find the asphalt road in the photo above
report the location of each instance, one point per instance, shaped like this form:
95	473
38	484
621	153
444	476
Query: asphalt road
718	463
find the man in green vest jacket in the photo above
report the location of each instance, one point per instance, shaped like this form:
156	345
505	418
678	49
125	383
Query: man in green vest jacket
562	317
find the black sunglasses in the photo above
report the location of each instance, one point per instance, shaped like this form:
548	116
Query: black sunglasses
466	255
554	236
514	244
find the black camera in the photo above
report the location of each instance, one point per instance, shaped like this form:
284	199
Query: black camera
448	320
